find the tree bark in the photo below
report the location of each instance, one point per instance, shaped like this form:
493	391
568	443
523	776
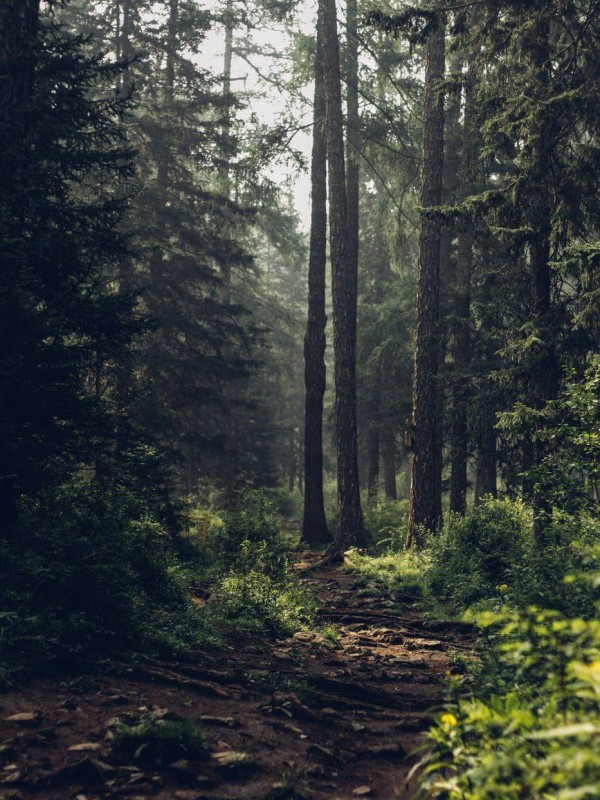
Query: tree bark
459	436
485	415
545	372
18	38
373	443
422	514
226	171
314	525
18	34
486	471
352	148
388	453
350	526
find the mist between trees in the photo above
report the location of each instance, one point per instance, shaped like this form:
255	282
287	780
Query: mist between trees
194	355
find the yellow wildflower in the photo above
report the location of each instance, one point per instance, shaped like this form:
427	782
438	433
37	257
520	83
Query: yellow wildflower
449	720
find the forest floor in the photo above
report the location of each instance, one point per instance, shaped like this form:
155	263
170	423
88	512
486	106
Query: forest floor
304	717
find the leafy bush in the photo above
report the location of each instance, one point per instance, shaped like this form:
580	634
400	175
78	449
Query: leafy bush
261	595
386	522
530	729
252	520
153	741
476	553
403	573
545	578
88	575
288	505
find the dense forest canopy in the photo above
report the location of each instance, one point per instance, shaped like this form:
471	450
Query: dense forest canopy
281	275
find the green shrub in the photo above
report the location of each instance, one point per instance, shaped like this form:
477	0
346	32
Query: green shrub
545	578
386	523
88	575
286	504
154	742
251	520
403	572
476	553
530	729
260	595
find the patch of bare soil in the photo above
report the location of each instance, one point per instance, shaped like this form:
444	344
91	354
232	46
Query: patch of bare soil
298	718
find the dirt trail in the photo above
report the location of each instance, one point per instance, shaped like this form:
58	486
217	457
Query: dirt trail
298	718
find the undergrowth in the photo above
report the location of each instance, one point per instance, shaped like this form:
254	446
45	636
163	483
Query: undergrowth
528	726
91	575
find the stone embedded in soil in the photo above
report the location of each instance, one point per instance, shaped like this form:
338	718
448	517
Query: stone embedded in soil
321	752
85	747
117	700
25	718
362	791
233	760
182	766
12	777
226	722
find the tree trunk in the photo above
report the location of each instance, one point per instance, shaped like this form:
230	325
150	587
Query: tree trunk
545	373
485	414
314	525
226	172
485	470
352	148
422	513
18	35
459	436
388	452
350	527
373	443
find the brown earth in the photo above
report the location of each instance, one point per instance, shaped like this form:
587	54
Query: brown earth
284	720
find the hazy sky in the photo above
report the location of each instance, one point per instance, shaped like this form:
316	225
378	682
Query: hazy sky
266	101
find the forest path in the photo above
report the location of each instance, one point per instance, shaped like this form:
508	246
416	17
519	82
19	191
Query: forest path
298	718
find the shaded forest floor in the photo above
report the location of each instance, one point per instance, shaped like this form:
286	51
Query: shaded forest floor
311	716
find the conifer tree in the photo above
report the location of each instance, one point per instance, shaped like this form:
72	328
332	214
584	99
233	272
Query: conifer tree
314	524
350	526
422	496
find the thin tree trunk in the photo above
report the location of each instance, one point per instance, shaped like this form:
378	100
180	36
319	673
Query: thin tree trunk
352	149
388	453
450	187
227	61
373	443
291	460
462	311
545	377
314	525
350	527
422	513
486	460
18	37
486	470
18	34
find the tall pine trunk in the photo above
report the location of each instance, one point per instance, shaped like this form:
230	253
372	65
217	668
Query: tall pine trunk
459	436
226	131
350	527
314	525
545	369
374	441
352	149
423	511
388	457
485	409
18	34
18	37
